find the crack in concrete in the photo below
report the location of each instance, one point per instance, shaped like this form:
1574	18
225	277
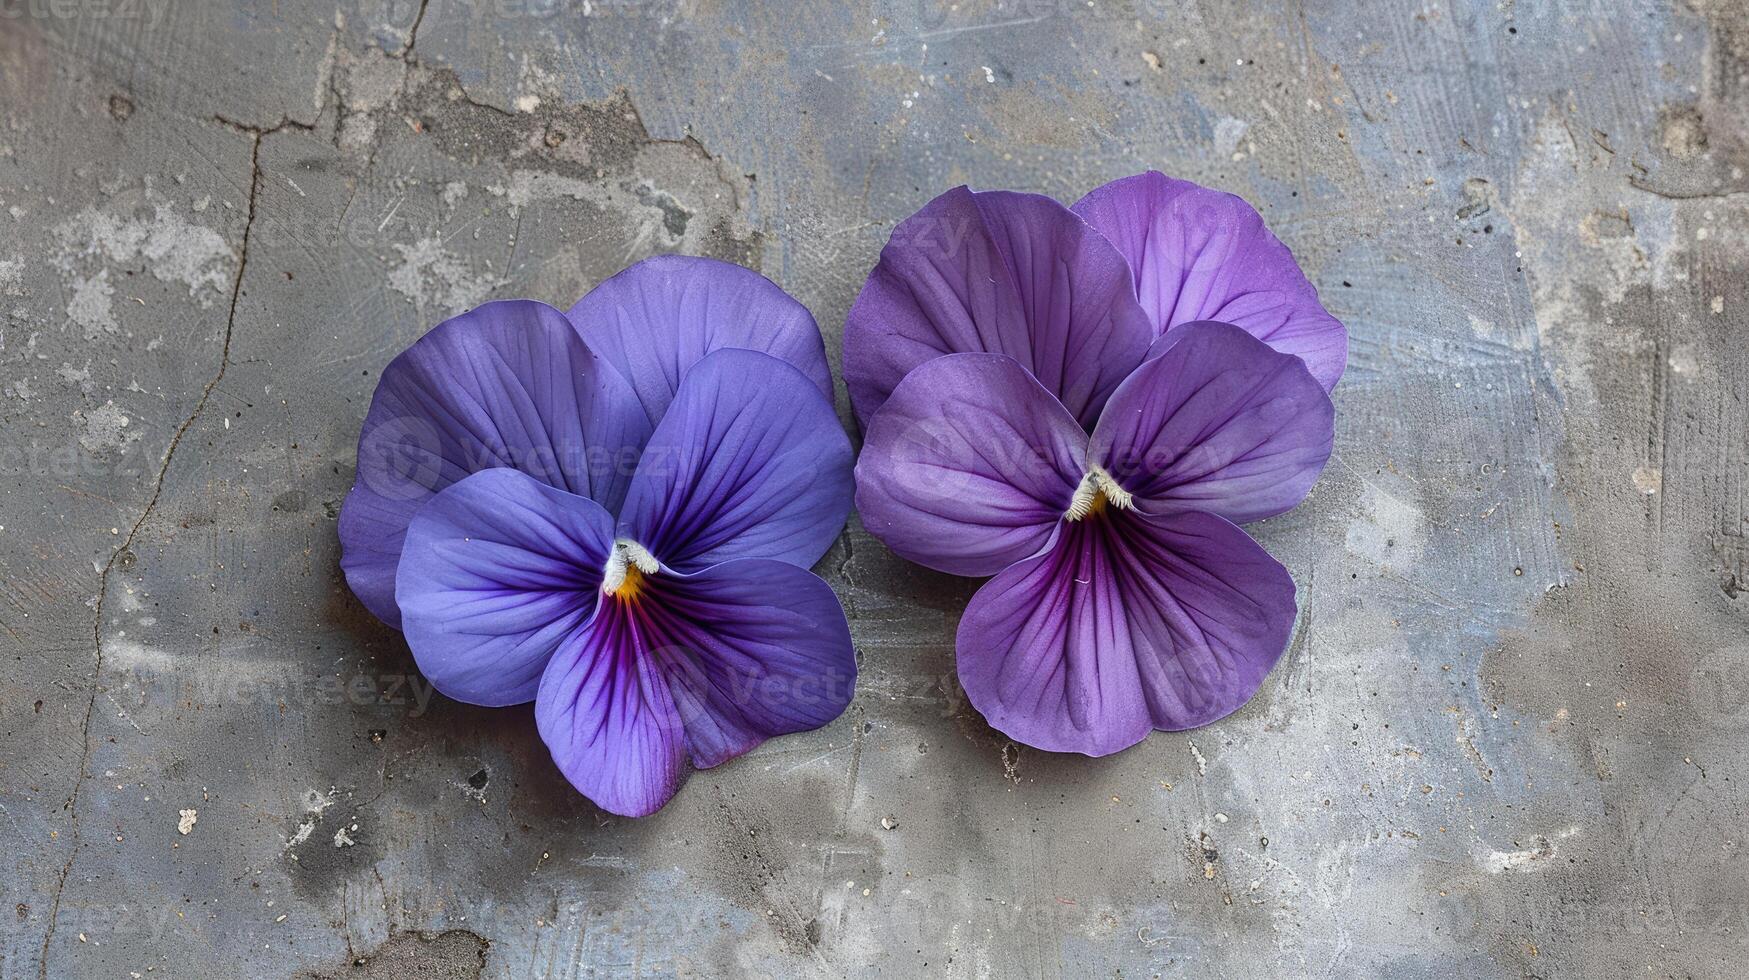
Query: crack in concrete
413	32
1673	194
256	134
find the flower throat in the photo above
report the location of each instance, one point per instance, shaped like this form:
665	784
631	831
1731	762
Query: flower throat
1097	489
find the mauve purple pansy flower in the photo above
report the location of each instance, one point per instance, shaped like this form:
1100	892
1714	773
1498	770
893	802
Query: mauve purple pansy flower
1019	426
629	551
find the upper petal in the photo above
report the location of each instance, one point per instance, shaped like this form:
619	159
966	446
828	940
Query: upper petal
1003	273
509	384
1128	622
657	318
498	571
1201	254
706	665
748	462
969	465
1219	422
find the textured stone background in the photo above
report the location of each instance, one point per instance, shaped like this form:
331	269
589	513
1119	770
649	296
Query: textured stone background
1507	739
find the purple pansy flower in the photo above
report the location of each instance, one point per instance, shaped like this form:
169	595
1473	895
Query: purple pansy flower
1028	417
612	513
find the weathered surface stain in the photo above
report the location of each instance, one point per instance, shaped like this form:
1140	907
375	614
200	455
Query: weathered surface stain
453	955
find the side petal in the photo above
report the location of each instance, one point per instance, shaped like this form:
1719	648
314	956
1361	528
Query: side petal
751	649
497	573
749	462
1201	254
1219	423
656	319
509	384
705	666
1128	622
969	465
1002	273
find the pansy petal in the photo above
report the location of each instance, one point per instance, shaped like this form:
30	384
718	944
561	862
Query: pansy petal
1202	254
607	717
509	384
706	665
751	648
749	462
1219	423
1128	622
1003	273
656	319
969	465
497	573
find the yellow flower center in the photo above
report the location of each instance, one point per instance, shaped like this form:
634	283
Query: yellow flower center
629	586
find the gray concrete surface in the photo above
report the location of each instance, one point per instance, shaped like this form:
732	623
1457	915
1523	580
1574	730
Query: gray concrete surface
1507	740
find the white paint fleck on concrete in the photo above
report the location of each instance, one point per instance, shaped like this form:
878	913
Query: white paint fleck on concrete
429	272
11	277
90	307
1228	133
1389	532
76	377
1495	862
172	248
105	428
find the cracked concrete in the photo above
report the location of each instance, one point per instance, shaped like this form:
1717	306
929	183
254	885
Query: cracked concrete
255	137
1505	740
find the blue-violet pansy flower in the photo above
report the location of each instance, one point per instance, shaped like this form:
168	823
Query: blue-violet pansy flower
1084	404
612	512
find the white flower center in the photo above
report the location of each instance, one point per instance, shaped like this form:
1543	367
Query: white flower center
627	564
1097	489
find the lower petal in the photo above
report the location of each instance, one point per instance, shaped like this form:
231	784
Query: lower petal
606	715
1126	623
706	666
